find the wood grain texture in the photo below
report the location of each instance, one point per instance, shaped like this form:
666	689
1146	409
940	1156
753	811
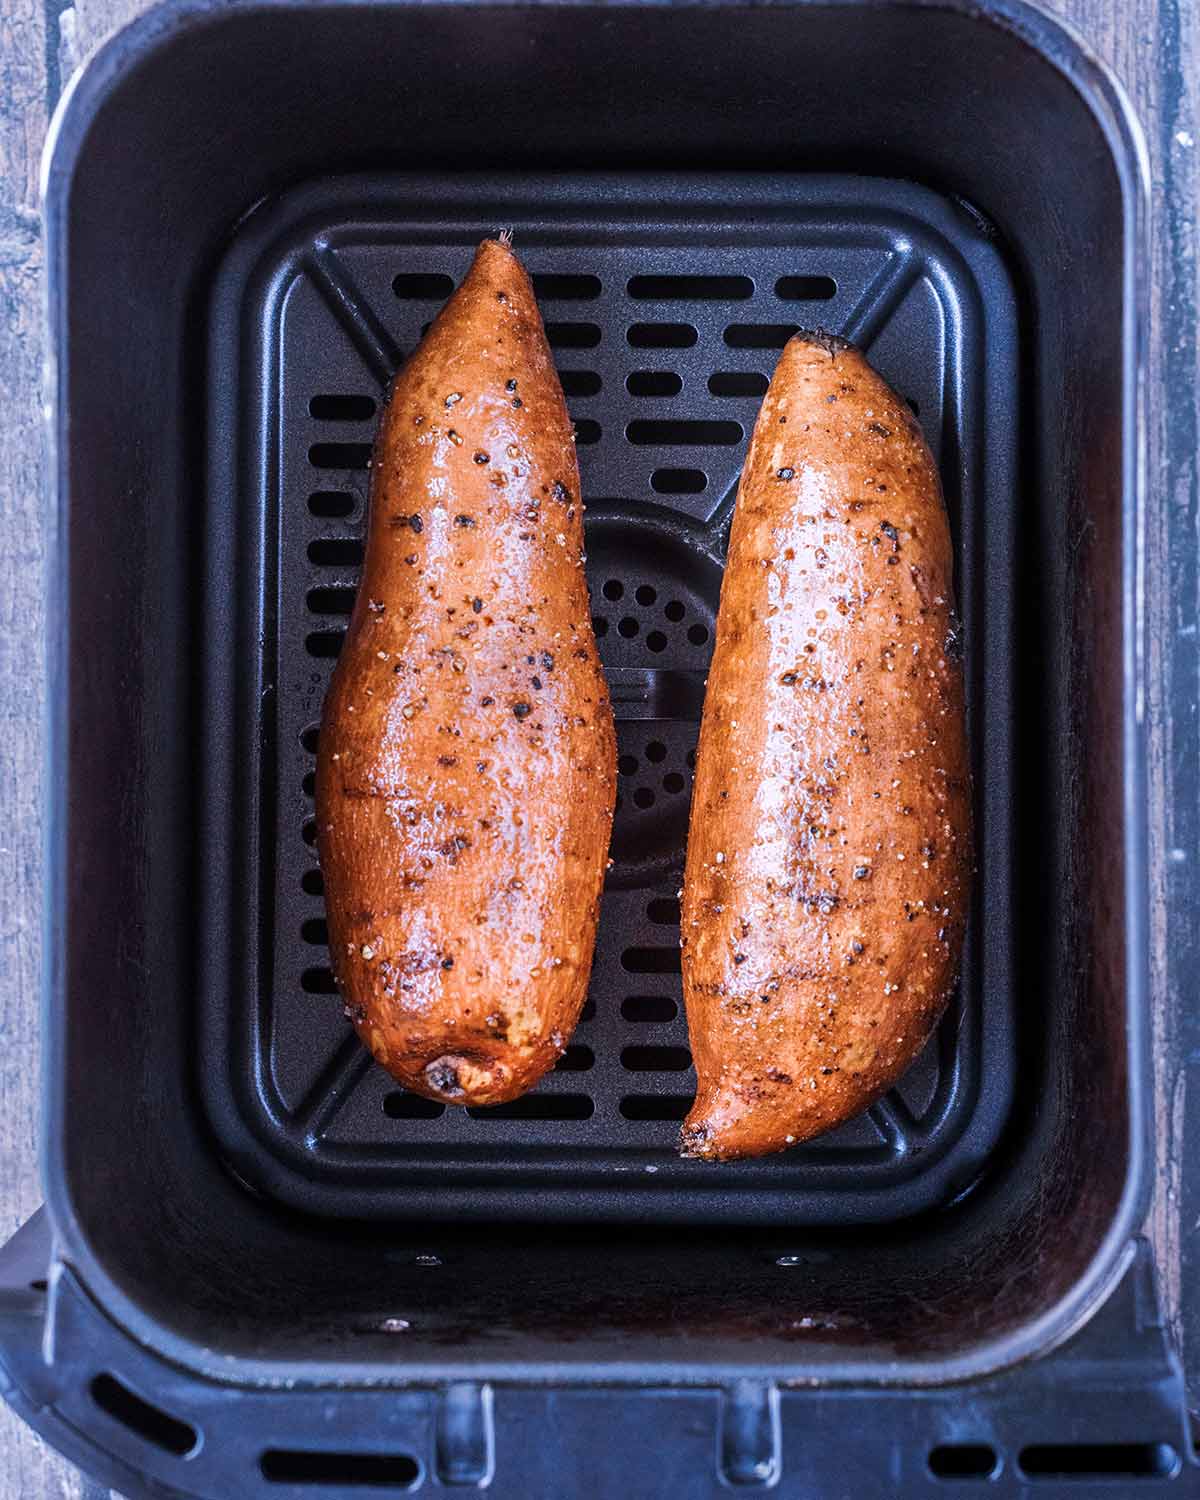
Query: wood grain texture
1153	47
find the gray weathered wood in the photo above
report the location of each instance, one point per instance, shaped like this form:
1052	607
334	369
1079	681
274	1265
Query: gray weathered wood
27	1467
1152	45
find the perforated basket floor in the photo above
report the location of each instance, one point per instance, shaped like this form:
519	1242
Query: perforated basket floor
666	301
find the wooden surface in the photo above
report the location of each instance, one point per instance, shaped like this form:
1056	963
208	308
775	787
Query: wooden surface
1154	48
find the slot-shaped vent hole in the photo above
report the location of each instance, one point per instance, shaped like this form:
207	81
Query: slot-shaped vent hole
330	505
416	286
1099	1461
312	883
651	960
538	1107
576	1059
806	288
318	981
577	383
401	1105
342	408
963	1461
336	552
664	911
649	1009
370	1470
656	1059
691	288
325	643
333	601
645	434
738	383
340	455
140	1416
316	931
656	1106
759	335
550	287
587	432
653	383
573	335
661	335
679	481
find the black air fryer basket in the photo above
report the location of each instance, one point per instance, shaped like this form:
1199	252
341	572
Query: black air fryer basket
271	1271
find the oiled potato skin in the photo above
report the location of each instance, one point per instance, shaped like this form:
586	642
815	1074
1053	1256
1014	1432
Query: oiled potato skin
466	771
829	850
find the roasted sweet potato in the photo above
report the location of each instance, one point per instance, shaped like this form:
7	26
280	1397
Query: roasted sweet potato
466	771
829	850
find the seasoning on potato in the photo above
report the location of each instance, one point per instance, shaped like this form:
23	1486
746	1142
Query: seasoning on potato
829	850
466	772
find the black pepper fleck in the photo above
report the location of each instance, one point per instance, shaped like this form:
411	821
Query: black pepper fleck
477	604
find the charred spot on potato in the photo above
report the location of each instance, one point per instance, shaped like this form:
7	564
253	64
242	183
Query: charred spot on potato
521	710
862	872
482	458
511	384
785	473
442	1076
464	520
879	429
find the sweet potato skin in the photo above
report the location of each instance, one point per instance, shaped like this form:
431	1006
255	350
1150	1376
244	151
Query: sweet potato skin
829	849
467	762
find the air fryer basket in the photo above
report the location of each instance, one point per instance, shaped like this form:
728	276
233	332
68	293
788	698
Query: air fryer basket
666	301
252	209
